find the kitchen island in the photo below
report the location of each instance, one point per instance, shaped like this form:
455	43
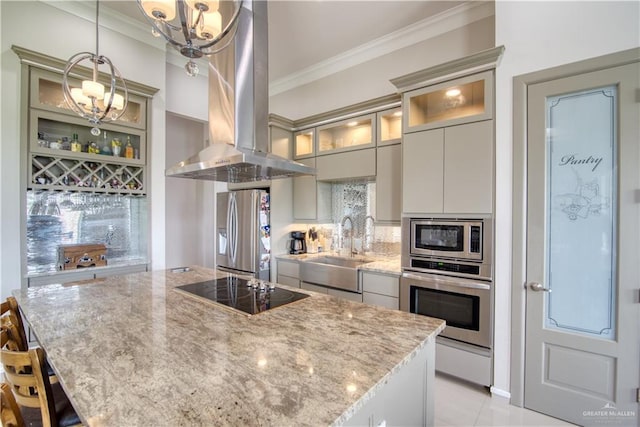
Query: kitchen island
132	350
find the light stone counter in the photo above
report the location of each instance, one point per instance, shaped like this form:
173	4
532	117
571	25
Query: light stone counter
132	351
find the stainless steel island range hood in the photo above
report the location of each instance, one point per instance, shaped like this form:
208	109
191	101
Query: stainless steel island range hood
239	111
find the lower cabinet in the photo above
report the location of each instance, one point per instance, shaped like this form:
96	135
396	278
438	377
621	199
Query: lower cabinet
351	296
380	289
315	288
288	273
406	398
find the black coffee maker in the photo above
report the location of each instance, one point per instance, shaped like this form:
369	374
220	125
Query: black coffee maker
297	244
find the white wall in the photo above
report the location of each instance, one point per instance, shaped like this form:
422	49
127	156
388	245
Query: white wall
187	96
186	198
371	79
539	35
49	29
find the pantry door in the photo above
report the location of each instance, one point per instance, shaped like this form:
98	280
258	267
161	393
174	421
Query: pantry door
582	340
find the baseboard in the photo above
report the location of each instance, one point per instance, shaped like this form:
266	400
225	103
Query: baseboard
499	392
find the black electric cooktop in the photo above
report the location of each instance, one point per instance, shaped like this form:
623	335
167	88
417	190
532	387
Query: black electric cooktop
251	296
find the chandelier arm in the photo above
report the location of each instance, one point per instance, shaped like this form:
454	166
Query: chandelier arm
232	26
124	88
224	46
186	32
108	108
66	90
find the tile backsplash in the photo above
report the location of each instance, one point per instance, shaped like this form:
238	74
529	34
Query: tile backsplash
57	218
357	201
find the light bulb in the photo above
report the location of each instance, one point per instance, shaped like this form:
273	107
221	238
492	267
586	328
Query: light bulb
192	69
79	98
92	89
159	9
452	92
209	25
204	5
118	101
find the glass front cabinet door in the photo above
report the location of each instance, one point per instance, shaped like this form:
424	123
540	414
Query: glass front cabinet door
464	100
389	126
350	134
46	94
304	144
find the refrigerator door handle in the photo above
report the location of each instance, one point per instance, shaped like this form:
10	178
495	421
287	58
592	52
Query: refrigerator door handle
234	214
229	227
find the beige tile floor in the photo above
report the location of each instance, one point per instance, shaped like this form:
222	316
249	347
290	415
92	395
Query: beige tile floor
462	404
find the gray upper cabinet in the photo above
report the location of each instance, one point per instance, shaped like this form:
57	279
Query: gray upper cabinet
468	168
347	165
389	183
463	100
448	136
422	171
311	199
449	170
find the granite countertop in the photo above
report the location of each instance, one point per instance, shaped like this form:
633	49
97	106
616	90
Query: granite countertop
380	264
131	350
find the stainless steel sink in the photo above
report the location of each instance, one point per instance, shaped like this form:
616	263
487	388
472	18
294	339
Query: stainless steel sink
333	271
339	261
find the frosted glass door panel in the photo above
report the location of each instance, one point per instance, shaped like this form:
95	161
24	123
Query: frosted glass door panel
581	217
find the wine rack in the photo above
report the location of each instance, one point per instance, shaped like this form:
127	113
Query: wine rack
59	173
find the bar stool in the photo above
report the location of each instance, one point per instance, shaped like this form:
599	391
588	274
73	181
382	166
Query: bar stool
10	312
10	411
24	372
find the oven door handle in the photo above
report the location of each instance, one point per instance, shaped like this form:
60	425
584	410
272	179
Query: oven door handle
461	283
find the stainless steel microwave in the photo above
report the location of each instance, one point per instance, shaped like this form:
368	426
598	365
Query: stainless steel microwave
448	238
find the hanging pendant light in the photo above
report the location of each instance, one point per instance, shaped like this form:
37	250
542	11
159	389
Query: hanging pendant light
92	101
193	27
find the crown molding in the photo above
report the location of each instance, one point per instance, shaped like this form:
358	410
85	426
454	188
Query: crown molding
110	20
57	65
434	26
481	61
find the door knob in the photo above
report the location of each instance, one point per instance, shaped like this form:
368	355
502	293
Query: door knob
537	287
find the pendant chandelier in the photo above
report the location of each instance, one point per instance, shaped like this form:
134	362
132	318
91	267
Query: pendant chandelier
91	101
193	27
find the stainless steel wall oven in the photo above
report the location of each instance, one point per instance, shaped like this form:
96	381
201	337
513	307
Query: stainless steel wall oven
447	273
464	304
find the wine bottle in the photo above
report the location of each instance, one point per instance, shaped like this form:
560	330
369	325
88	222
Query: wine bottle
128	150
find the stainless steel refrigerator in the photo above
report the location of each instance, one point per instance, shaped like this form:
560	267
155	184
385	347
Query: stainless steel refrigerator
243	233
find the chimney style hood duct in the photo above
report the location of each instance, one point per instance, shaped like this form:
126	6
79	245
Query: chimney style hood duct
239	110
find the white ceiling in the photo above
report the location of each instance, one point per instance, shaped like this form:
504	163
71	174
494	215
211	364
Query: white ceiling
303	33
